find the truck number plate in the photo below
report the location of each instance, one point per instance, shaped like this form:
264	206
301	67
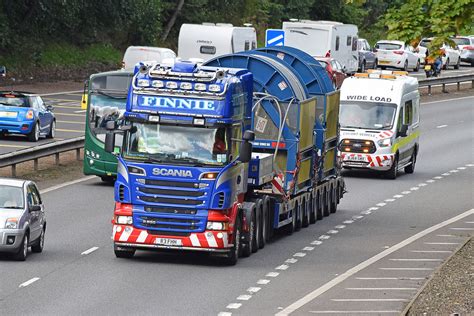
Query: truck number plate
168	242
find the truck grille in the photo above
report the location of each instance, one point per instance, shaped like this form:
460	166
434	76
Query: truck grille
170	192
166	223
361	146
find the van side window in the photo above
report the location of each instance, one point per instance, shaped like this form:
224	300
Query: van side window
416	113
400	119
408	117
247	45
211	50
354	43
337	43
254	45
349	41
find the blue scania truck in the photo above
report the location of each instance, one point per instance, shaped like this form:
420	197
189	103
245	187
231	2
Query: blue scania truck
216	157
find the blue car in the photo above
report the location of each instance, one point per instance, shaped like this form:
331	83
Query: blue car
25	113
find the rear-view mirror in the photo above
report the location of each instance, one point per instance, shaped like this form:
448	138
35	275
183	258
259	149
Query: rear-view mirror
109	145
49	107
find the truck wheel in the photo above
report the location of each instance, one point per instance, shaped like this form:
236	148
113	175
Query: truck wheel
325	204
267	204
332	201
299	215
23	251
392	173
126	253
39	244
232	256
411	167
248	246
305	213
319	208
313	210
263	227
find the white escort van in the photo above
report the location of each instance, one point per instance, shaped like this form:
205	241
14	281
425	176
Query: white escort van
379	121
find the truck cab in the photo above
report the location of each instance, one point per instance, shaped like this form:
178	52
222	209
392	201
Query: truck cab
380	131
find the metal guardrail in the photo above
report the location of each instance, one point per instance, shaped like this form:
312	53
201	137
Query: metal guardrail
446	80
55	148
41	151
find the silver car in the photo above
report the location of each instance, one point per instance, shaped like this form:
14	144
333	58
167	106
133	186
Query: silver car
22	219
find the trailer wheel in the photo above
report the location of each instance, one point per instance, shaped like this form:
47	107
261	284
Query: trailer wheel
267	204
232	256
332	201
319	206
121	252
305	212
263	222
325	204
291	228
299	215
313	209
250	244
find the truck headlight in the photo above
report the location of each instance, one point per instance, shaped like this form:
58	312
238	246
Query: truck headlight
385	142
11	223
143	83
124	220
216	225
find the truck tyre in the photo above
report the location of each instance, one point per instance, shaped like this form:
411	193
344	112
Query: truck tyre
299	215
392	172
313	209
319	208
291	228
23	251
232	256
305	213
411	167
332	201
248	246
34	135
324	203
263	224
126	253
267	204
38	246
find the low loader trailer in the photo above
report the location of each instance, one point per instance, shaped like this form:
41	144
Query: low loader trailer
217	157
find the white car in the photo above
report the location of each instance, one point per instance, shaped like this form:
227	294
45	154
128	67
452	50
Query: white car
452	55
396	54
466	47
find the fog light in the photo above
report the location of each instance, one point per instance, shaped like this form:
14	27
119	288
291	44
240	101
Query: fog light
10	240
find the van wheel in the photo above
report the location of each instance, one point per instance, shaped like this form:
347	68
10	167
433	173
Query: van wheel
232	256
411	167
392	173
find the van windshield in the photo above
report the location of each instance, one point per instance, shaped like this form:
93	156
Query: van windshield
367	115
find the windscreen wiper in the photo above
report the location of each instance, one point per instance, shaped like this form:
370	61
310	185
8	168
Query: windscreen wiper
113	96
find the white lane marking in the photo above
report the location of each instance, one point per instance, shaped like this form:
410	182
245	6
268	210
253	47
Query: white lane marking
397	196
453	171
263	281
406	269
438	177
316	242
430	181
253	289
446	236
366	212
90	250
414	188
272	274
406	192
469	165
291	260
431	251
340	278
357	217
442	126
308	249
445	174
332	231
234	305
381	204
59	93
244	297
420	259
299	254
447	100
422	184
369	300
340	226
381	288
461	168
65	184
469	222
348	222
324	237
462	228
356	312
282	267
441	243
224	314
373	208
387	278
389	200
30	281
80	111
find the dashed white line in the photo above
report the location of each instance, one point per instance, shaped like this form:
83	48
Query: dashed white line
356	312
348	222
299	254
224	314
291	260
462	228
234	305
308	249
30	281
461	168
417	259
253	289
357	217
469	222
438	177
366	212
453	171
90	250
430	181
272	274
381	204
282	267
414	188
373	208
389	200
397	196
340	226
263	281
381	288
332	231
469	165
244	297
406	192
446	236
441	243
369	300
431	251
422	184
445	174
316	242
406	269
324	237
442	126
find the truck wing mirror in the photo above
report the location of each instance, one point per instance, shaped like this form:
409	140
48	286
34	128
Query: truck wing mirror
110	125
245	151
249	136
109	141
403	130
3	71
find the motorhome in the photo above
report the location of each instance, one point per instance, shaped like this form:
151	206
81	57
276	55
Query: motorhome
325	39
208	40
136	54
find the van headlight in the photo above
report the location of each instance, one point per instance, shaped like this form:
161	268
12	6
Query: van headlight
386	142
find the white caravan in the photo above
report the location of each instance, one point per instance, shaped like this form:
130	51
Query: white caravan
136	54
326	39
208	40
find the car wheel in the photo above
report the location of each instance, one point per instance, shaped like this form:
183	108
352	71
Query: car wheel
383	67
52	129
375	64
446	66
34	135
458	64
39	244
23	251
362	67
417	68
121	252
405	66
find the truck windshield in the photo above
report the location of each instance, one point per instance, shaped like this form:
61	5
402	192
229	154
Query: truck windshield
367	115
177	144
11	197
105	107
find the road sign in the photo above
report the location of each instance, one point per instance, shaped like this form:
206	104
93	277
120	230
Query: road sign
274	37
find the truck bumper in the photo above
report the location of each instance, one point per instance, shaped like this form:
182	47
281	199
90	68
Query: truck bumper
131	237
367	161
